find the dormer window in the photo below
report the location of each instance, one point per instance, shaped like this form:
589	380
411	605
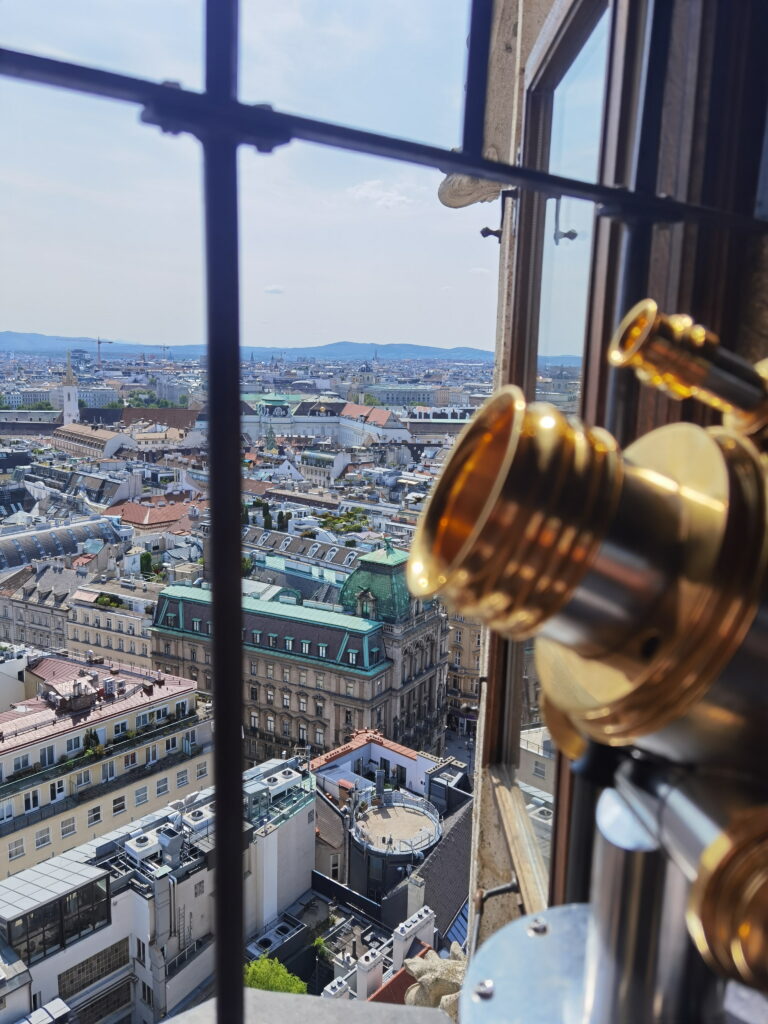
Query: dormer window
313	550
330	553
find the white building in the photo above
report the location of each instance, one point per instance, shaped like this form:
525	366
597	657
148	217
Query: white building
121	928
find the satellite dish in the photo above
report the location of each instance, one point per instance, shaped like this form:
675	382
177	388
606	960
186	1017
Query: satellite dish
176	804
190	798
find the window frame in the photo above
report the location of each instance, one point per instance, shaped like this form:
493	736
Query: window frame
177	110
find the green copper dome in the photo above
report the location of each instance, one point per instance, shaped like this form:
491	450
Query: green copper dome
377	588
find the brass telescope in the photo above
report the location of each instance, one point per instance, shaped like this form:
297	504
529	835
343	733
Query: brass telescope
642	574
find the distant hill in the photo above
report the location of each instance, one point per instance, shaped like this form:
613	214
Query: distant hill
560	360
52	344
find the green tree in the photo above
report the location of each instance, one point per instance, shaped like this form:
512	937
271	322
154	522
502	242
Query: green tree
145	563
370	400
321	948
280	520
267	518
243	514
245	566
183	401
269	974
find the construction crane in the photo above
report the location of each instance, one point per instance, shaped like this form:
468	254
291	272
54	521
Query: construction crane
98	342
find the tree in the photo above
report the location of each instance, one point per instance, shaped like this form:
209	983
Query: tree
267	518
280	520
145	563
245	566
370	400
269	974
183	401
243	514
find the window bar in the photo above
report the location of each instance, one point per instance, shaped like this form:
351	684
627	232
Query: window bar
223	350
480	29
182	110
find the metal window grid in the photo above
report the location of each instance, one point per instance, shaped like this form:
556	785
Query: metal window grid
221	123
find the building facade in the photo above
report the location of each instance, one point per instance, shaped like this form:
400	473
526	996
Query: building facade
121	928
465	658
112	620
87	750
314	673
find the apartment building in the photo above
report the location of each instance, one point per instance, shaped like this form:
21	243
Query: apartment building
121	928
465	658
315	673
34	604
88	749
112	620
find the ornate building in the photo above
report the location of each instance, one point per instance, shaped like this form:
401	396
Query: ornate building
313	674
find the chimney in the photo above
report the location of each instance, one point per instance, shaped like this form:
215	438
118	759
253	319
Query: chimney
370	973
415	894
336	989
420	925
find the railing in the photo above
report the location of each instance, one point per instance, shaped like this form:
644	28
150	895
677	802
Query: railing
284	807
29	778
426	837
188	953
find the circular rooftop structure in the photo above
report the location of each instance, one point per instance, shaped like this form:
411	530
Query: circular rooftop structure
399	825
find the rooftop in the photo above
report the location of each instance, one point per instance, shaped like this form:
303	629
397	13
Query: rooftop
278	609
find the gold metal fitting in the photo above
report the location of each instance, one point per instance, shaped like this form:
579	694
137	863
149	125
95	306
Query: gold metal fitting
728	909
641	575
684	359
516	515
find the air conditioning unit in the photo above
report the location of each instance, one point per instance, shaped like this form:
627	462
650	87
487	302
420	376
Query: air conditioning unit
199	819
143	846
543	814
281	781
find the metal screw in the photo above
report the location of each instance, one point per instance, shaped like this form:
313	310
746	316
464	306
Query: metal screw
484	989
538	927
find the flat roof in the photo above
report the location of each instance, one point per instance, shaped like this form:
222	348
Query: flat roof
43	883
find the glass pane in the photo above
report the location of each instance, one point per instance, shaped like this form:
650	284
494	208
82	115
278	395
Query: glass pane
577	107
574	150
161	41
396	68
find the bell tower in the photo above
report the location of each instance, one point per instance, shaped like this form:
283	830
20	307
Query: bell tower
69	395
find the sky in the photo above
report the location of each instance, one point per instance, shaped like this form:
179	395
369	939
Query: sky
101	216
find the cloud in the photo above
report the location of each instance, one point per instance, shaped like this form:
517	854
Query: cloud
274	289
380	194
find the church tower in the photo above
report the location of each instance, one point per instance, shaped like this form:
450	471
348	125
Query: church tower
69	395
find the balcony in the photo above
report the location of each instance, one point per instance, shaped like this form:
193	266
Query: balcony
29	778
